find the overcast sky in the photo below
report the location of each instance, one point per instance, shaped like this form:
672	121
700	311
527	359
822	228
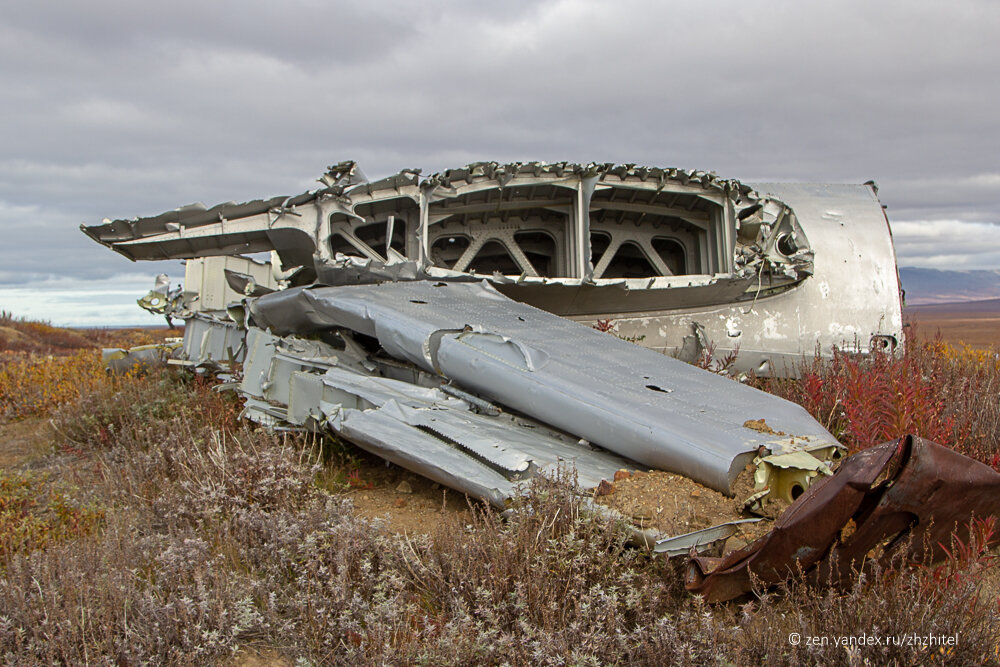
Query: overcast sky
119	109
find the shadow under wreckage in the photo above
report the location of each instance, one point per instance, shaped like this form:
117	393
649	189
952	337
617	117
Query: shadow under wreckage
444	324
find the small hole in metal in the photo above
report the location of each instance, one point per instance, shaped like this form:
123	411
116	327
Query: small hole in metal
653	387
417	301
786	245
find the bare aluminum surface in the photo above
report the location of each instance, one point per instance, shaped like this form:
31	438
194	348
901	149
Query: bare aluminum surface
682	545
852	300
640	404
142	358
212	339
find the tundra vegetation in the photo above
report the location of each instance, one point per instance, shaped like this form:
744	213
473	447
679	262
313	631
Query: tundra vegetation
143	522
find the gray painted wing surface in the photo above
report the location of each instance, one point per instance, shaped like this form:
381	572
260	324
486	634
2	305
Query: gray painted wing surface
638	403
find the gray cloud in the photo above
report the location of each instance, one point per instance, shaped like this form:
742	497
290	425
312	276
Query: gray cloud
113	109
948	244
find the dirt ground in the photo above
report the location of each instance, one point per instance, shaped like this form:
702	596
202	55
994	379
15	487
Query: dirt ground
407	502
674	505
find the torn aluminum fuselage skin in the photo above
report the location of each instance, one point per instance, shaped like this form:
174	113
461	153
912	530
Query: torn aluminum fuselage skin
681	261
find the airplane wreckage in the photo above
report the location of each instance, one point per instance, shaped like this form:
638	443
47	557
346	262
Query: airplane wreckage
447	324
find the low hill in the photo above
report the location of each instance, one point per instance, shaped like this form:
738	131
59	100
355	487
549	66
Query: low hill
929	286
23	336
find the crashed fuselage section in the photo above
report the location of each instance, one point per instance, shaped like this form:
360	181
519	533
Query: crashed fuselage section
680	261
444	323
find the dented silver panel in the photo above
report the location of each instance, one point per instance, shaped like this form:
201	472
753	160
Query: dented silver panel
294	383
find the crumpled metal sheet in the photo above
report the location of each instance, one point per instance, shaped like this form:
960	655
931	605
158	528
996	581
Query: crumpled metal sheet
882	496
381	434
212	341
346	270
699	540
290	382
438	436
632	401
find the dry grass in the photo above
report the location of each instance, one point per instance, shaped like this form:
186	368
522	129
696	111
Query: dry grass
32	385
975	325
35	516
43	367
19	335
210	537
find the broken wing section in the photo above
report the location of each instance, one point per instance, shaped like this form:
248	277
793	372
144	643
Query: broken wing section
291	382
637	403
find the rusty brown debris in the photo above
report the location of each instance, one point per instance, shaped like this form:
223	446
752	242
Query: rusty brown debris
911	493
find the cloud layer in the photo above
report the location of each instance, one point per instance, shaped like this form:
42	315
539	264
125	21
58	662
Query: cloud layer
113	110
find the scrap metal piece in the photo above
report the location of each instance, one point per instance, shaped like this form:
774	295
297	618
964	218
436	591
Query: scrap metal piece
701	541
142	358
911	492
161	300
787	475
213	342
435	430
295	383
640	404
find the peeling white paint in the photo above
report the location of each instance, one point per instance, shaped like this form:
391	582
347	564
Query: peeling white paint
733	328
845	331
769	327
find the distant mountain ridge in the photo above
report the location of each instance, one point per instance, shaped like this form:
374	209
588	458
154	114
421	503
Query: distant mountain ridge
930	286
982	308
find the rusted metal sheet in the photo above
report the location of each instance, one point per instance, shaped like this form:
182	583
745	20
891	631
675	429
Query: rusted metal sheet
909	493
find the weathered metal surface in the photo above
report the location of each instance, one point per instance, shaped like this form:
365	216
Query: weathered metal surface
142	358
297	383
773	270
910	493
699	540
640	404
212	341
851	299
